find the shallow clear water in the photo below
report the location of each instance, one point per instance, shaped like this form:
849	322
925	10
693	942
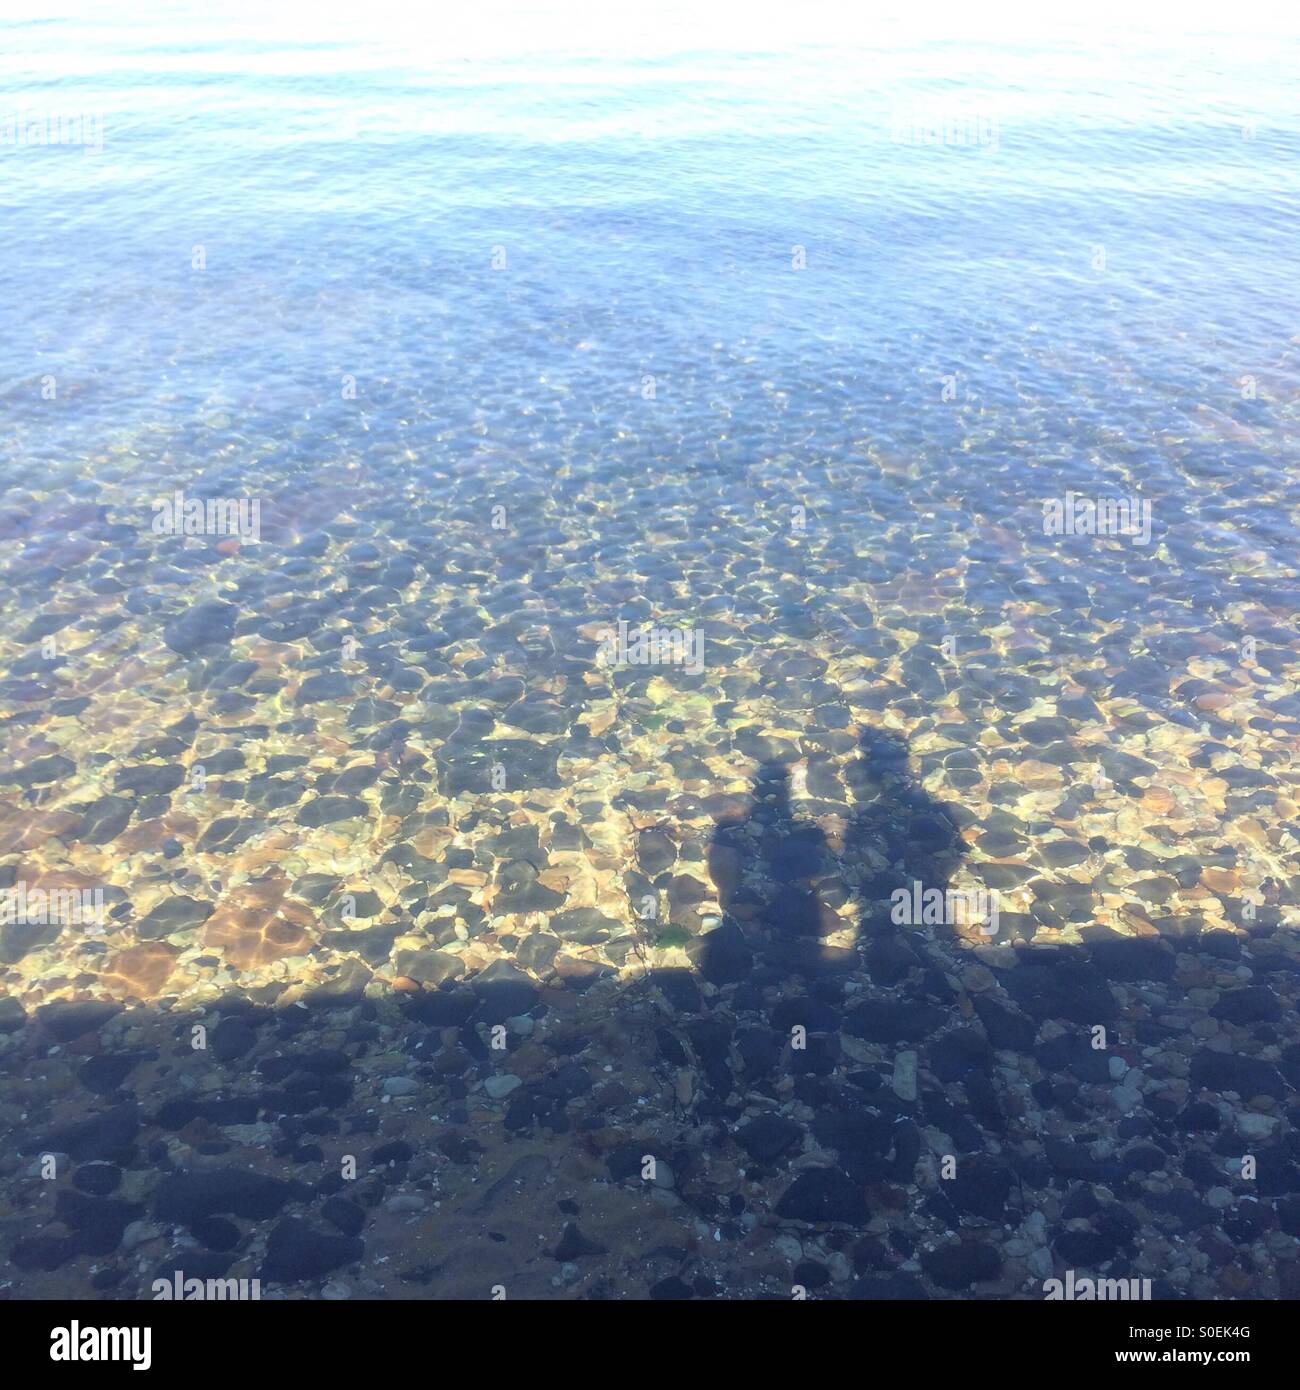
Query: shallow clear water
768	331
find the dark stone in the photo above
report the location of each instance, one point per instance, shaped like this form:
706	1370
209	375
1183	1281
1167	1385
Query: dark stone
216	1233
325	810
1070	1052
680	989
956	1054
97	1179
1253	1004
428	967
538	951
537	716
824	1194
1007	1030
768	1137
981	1187
42	770
810	1275
1227	1071
204	626
12	1014
188	1197
894	1020
1288	1215
344	1215
395	1151
1144	1158
325	685
43	1253
656	852
19	939
584	925
214	1110
1200	1117
108	1135
67	1019
98	1221
958	1266
297	1251
149	779
106	1072
104	820
177	913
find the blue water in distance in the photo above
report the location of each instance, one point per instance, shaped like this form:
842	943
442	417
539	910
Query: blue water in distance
1109	242
779	322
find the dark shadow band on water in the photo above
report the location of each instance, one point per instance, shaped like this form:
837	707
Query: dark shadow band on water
819	1068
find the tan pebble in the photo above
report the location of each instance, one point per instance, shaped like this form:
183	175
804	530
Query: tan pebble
977	978
140	971
467	878
1221	880
405	985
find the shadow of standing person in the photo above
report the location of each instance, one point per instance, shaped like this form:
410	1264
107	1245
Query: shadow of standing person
899	840
779	875
763	866
797	1011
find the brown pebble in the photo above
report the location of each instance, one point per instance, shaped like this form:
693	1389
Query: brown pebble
1158	801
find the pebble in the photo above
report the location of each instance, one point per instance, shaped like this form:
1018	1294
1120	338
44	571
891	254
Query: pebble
904	1083
1252	1125
400	1086
1126	1099
501	1084
788	1247
139	1233
405	1202
297	1251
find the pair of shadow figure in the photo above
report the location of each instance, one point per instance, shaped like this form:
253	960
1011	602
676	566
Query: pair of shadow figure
781	878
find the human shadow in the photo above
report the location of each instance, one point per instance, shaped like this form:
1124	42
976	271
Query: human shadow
782	880
808	1062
